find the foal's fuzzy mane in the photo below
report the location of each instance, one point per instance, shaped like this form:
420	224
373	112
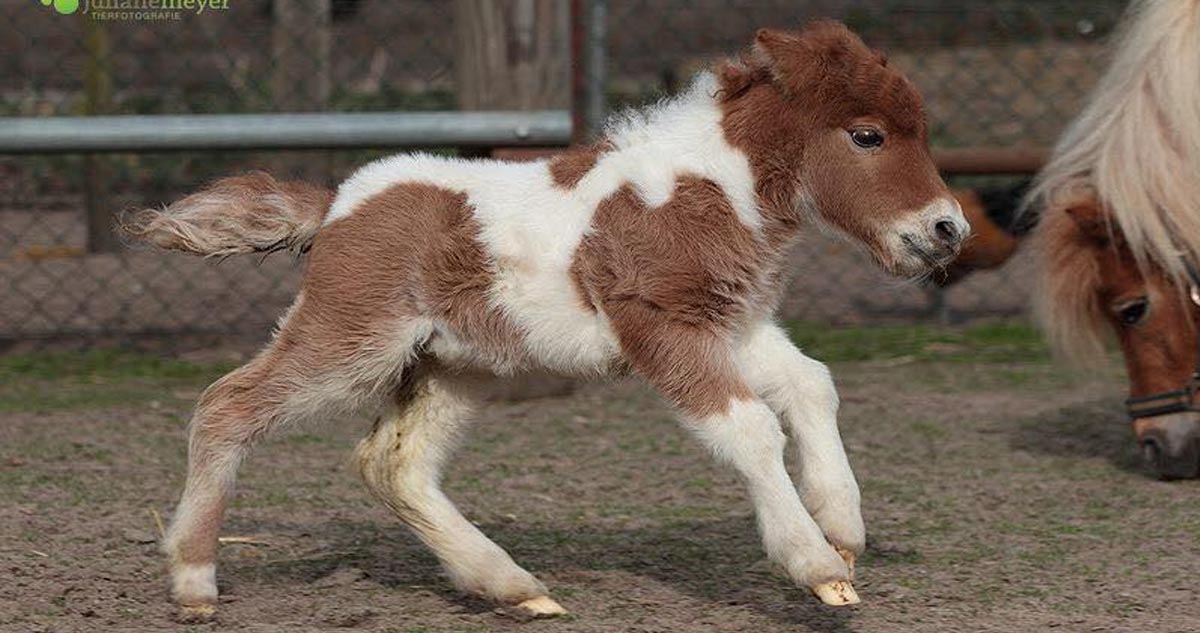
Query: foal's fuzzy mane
827	60
633	125
1136	149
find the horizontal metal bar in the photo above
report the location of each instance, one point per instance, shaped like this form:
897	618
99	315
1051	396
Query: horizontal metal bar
151	133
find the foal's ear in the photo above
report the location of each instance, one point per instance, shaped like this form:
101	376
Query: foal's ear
774	45
822	47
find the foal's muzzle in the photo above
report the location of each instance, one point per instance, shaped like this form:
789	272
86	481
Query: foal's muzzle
938	232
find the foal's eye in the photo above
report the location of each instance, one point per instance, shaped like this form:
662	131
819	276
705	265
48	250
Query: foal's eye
867	137
1132	312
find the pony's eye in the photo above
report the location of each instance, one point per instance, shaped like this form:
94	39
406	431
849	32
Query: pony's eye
867	137
1131	313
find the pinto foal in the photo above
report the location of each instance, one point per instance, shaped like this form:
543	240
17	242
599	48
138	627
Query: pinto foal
657	252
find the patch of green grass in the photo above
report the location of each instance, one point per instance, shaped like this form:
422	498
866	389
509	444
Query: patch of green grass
102	364
96	379
995	342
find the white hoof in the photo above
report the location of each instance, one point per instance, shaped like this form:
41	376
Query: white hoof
195	614
541	607
194	584
838	593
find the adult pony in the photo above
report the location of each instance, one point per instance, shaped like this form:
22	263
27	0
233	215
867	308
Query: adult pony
1118	242
658	252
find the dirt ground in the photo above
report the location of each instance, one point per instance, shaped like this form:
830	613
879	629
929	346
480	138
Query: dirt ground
1001	494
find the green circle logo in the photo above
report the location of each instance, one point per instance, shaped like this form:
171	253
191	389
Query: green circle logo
65	7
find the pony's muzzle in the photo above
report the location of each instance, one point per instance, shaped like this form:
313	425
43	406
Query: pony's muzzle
938	233
1170	445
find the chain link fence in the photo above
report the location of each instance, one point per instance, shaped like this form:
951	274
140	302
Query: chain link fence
994	74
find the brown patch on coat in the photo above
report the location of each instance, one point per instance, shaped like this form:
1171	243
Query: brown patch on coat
787	105
676	282
569	167
411	250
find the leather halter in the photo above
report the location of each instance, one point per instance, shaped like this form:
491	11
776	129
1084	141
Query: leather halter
1180	400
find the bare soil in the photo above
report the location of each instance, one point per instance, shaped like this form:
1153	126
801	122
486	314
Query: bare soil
999	496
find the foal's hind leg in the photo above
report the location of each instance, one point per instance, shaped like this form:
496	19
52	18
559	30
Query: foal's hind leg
801	391
230	415
291	380
401	462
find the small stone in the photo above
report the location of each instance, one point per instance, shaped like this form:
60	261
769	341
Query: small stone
134	535
341	577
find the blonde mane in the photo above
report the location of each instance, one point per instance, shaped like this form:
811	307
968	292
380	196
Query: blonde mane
1066	304
1136	149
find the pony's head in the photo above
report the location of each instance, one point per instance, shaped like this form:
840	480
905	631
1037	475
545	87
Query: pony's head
1092	285
833	132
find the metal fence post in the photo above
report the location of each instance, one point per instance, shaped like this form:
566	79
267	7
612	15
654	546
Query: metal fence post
589	33
97	81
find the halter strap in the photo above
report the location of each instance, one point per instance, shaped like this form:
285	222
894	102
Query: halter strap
1180	400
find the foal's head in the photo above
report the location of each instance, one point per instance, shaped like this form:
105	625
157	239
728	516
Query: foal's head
833	132
1092	284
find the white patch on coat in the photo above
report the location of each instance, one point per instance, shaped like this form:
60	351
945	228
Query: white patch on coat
530	227
678	137
748	438
801	391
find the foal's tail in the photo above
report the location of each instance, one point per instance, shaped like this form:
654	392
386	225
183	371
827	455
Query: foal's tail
253	213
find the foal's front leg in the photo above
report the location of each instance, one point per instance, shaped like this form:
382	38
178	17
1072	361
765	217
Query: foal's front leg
801	391
746	434
697	371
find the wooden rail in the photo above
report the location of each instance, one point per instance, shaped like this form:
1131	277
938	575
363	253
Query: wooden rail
991	160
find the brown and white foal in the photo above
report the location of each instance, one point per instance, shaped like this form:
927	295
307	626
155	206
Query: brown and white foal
657	252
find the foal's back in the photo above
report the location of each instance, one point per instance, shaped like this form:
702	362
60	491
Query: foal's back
505	266
473	254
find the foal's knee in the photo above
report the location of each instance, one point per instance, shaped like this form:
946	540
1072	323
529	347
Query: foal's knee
746	434
388	469
376	456
800	380
818	382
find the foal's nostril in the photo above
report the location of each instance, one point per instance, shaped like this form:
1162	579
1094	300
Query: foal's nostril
947	232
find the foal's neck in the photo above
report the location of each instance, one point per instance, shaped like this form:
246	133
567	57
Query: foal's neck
686	123
686	134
